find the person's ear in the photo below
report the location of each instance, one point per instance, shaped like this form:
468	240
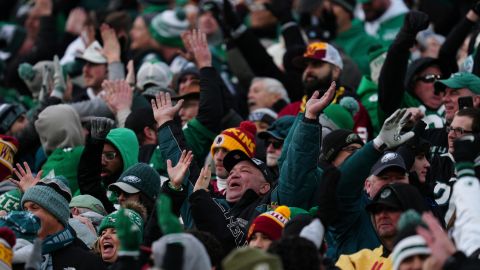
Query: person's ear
265	188
367	185
149	133
476	101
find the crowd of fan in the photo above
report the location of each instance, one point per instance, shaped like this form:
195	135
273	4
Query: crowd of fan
245	134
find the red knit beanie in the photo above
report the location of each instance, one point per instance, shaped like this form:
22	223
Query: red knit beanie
8	149
270	223
239	138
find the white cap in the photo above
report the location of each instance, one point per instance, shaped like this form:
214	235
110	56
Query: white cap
93	54
156	73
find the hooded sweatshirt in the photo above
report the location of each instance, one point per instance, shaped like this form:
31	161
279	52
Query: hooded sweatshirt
59	126
126	143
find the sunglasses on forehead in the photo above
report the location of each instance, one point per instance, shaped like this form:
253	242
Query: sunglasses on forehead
429	78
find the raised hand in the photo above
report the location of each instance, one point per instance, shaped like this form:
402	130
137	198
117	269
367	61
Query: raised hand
25	176
203	179
177	173
389	136
437	240
111	46
59	84
163	110
315	105
76	21
199	46
100	126
119	95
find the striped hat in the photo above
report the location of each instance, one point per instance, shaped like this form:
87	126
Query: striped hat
167	27
270	223
239	138
407	247
8	149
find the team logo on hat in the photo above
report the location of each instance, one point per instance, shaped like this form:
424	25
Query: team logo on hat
386	193
219	140
388	157
131	179
351	138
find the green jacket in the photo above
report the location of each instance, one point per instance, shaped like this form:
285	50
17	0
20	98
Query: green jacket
368	93
126	142
64	162
389	29
353	229
355	42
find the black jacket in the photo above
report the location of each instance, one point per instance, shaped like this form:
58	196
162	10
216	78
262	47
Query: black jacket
78	256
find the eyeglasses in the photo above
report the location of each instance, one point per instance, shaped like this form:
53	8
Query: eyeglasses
429	78
109	156
275	144
119	192
458	131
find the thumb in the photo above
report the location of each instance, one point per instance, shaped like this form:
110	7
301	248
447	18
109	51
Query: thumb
178	105
407	136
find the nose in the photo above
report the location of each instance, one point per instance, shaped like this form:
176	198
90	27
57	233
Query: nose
270	148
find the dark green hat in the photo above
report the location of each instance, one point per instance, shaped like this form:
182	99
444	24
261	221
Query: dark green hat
110	220
139	178
459	80
279	128
24	224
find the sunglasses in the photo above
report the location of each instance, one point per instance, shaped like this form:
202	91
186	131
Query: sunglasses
109	156
458	131
275	144
429	78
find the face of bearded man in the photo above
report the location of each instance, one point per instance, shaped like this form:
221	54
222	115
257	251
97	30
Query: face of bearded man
318	76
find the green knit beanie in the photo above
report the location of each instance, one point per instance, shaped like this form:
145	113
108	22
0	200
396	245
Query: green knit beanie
110	220
167	27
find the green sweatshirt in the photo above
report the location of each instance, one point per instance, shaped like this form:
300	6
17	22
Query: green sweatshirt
126	142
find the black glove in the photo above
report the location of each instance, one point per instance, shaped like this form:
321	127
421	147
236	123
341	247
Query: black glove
281	9
466	148
327	203
328	25
230	18
415	21
100	126
476	8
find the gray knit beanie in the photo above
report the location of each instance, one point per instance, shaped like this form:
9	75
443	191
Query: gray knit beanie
53	195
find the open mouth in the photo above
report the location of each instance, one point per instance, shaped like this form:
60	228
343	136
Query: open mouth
234	185
108	248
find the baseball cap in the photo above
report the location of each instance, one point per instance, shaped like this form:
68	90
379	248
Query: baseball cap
385	197
9	113
89	202
93	54
236	156
154	72
319	51
279	129
333	143
459	80
263	115
387	161
153	90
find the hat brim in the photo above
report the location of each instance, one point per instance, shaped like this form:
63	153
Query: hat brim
91	60
234	157
269	134
123	187
195	95
371	207
381	169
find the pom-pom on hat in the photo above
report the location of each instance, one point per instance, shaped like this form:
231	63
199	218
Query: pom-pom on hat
239	138
270	223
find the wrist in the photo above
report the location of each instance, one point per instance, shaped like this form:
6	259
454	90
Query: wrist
174	186
379	144
204	64
160	122
113	59
310	116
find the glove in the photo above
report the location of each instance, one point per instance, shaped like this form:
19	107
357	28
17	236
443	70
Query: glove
476	8
100	126
328	25
26	72
415	21
389	136
327	204
45	83
59	84
230	17
128	233
281	9
466	148
34	262
167	221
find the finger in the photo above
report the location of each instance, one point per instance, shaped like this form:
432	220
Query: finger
426	234
189	157
154	103
407	136
15	171
182	156
15	182
20	169
169	164
315	95
162	100
406	117
432	223
27	168
39	176
178	105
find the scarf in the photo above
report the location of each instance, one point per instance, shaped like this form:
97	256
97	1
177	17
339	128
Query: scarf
53	243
